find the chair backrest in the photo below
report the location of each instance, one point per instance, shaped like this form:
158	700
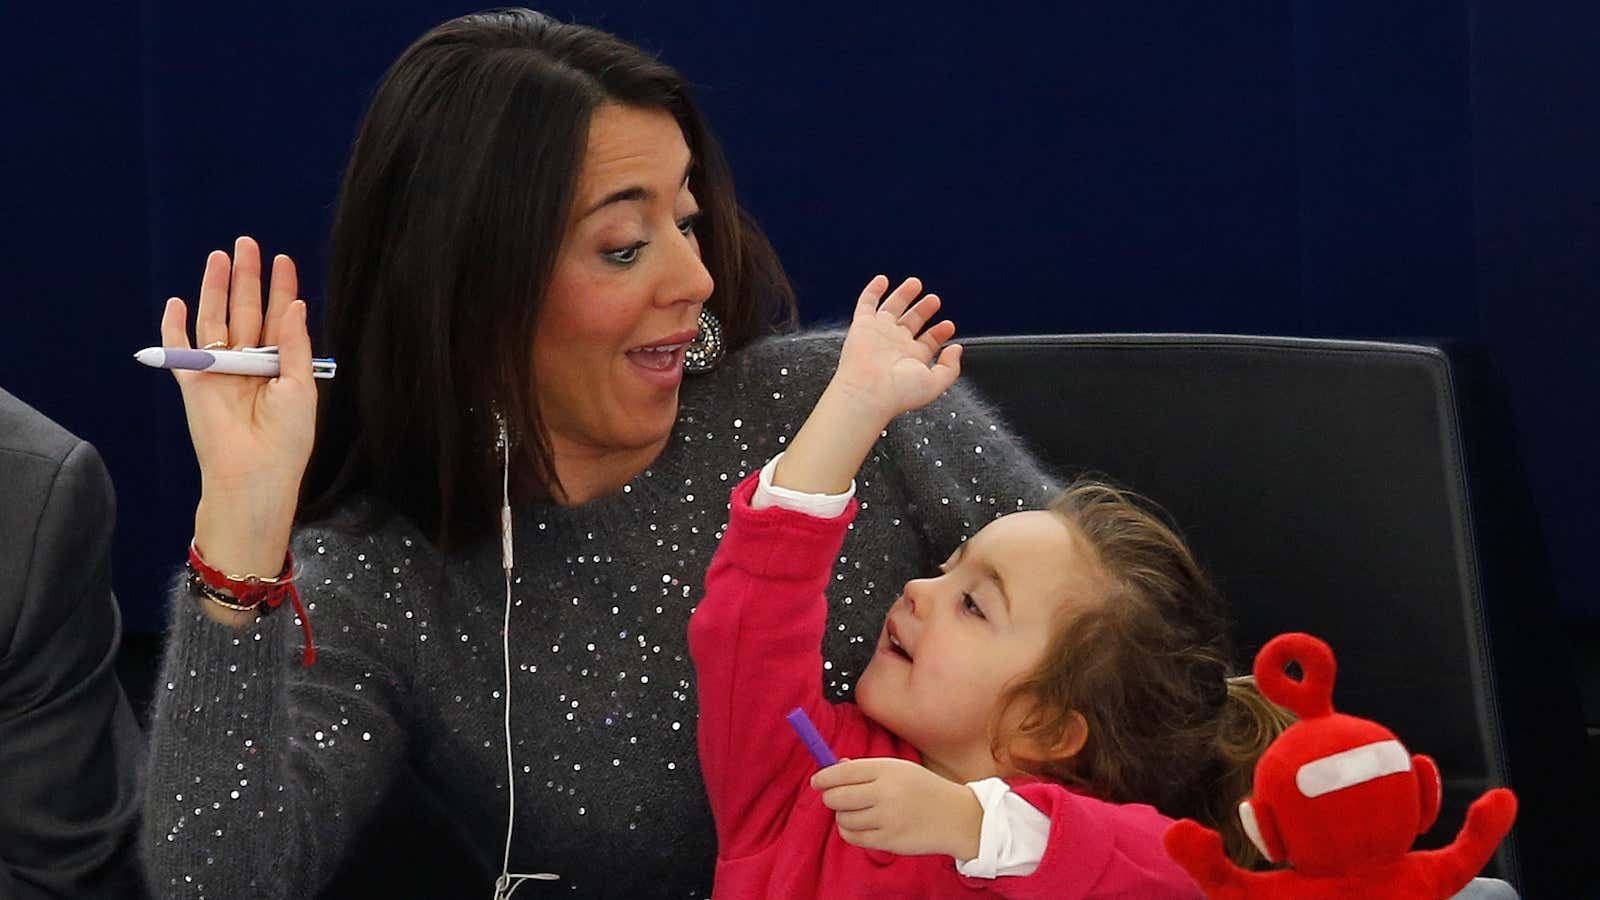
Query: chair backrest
1324	485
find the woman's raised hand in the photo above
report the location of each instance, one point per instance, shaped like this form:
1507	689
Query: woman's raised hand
892	359
252	436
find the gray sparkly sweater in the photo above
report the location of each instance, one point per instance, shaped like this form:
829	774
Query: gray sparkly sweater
262	771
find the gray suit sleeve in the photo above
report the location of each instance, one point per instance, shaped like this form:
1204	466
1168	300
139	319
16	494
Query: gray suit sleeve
70	748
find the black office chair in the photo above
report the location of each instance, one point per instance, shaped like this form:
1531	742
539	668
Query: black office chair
1325	485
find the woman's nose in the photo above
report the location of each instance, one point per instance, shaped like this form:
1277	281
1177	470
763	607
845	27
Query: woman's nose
690	279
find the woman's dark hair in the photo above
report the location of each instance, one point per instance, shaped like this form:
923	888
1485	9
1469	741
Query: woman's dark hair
449	221
1146	663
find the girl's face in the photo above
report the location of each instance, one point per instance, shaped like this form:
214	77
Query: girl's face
953	642
626	292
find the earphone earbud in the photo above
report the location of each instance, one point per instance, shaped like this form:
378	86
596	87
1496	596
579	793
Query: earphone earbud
503	445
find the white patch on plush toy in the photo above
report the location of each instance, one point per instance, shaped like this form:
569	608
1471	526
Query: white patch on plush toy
1348	768
1252	830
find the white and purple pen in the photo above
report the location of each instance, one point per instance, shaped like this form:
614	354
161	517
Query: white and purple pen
259	361
801	723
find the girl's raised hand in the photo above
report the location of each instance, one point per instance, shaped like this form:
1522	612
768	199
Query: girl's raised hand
893	360
252	436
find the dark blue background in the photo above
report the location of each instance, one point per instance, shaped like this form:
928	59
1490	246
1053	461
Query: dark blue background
1320	167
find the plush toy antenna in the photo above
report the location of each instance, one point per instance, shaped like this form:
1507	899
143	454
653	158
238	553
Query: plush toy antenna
1311	695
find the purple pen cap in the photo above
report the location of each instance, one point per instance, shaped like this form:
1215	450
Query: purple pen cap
801	723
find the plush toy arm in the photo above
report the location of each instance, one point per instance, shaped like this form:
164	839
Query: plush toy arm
1488	820
1199	851
1430	790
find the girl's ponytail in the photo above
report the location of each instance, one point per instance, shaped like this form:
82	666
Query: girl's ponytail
1248	723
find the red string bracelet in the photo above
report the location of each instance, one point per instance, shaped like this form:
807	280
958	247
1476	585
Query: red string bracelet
250	591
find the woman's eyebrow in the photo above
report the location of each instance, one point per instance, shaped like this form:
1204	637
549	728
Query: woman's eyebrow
634	193
625	195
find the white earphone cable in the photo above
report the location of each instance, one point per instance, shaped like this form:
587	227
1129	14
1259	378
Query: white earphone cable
507	883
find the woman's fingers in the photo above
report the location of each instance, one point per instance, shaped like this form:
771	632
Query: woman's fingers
175	333
294	345
175	324
284	289
211	321
244	294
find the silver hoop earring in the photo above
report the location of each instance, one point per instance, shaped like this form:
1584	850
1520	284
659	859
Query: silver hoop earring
705	351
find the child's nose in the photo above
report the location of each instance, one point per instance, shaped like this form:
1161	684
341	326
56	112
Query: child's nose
915	593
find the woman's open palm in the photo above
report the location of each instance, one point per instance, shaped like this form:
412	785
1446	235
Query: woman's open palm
252	436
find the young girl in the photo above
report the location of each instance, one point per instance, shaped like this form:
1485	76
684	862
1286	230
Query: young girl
1059	671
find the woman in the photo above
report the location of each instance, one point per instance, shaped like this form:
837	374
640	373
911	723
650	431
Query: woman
533	222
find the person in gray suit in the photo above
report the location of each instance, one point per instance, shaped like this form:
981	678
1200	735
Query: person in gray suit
70	749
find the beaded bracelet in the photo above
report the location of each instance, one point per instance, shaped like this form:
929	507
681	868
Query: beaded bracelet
226	601
243	593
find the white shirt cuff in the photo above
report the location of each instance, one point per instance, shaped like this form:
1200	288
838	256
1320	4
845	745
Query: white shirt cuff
1013	836
823	506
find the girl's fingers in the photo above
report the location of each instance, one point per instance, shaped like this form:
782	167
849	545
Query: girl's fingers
856	820
294	346
284	289
855	838
848	797
919	313
901	297
840	773
211	320
948	367
867	303
244	294
934	338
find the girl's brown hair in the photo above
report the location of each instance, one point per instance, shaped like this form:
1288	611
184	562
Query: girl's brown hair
1147	665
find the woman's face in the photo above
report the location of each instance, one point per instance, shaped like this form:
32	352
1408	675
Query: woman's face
626	292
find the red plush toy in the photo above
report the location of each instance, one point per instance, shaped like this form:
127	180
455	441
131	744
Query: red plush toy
1341	800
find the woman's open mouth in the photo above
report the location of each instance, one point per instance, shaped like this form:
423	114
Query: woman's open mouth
660	358
660	363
